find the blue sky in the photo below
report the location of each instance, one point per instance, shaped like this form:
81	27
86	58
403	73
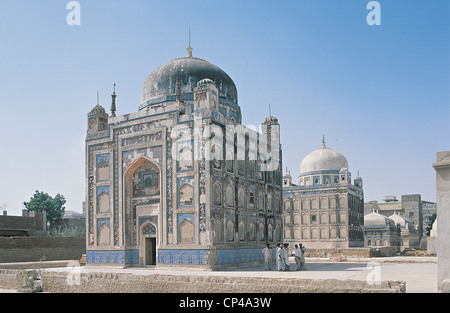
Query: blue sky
380	94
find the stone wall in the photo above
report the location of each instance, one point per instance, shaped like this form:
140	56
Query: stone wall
156	283
368	252
99	282
11	279
33	249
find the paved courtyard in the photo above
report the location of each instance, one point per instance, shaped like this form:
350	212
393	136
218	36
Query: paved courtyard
420	273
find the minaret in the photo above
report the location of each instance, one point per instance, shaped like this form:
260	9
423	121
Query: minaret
271	135
97	118
113	102
358	181
287	178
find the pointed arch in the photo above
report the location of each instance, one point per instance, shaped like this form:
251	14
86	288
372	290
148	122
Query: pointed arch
186	195
229	196
186	232
217	227
142	178
217	193
230	231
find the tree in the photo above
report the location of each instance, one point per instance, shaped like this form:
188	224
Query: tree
42	202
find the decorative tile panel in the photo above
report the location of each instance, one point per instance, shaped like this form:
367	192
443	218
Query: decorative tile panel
112	257
196	257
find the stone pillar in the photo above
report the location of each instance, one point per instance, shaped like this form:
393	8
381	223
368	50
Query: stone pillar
442	167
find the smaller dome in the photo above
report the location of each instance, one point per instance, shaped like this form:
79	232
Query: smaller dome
271	120
398	220
375	219
204	82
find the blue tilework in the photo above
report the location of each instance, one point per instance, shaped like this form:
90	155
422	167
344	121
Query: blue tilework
197	257
112	257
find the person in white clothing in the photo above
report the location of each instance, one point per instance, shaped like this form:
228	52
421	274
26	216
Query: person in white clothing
286	256
283	257
302	257
278	256
267	257
298	254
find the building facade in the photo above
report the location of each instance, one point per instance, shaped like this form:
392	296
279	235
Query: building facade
380	230
411	213
325	210
181	181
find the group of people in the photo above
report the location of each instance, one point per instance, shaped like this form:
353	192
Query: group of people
281	253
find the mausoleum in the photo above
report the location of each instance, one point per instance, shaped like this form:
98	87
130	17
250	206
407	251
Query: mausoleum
181	182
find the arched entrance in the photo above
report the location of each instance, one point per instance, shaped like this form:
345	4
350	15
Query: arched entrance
148	235
142	209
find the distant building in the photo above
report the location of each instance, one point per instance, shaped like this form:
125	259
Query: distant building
412	213
325	210
29	224
380	230
71	220
72	214
428	209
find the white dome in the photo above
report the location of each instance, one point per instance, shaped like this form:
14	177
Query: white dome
323	159
375	218
398	220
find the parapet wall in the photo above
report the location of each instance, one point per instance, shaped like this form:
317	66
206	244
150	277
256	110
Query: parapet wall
33	249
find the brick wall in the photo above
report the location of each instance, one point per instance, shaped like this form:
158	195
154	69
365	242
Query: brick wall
33	249
35	223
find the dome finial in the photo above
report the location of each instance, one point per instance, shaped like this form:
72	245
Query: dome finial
323	142
189	48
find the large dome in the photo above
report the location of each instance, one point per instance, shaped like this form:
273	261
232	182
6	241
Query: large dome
323	159
189	70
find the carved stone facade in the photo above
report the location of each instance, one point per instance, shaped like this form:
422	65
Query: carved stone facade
169	185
